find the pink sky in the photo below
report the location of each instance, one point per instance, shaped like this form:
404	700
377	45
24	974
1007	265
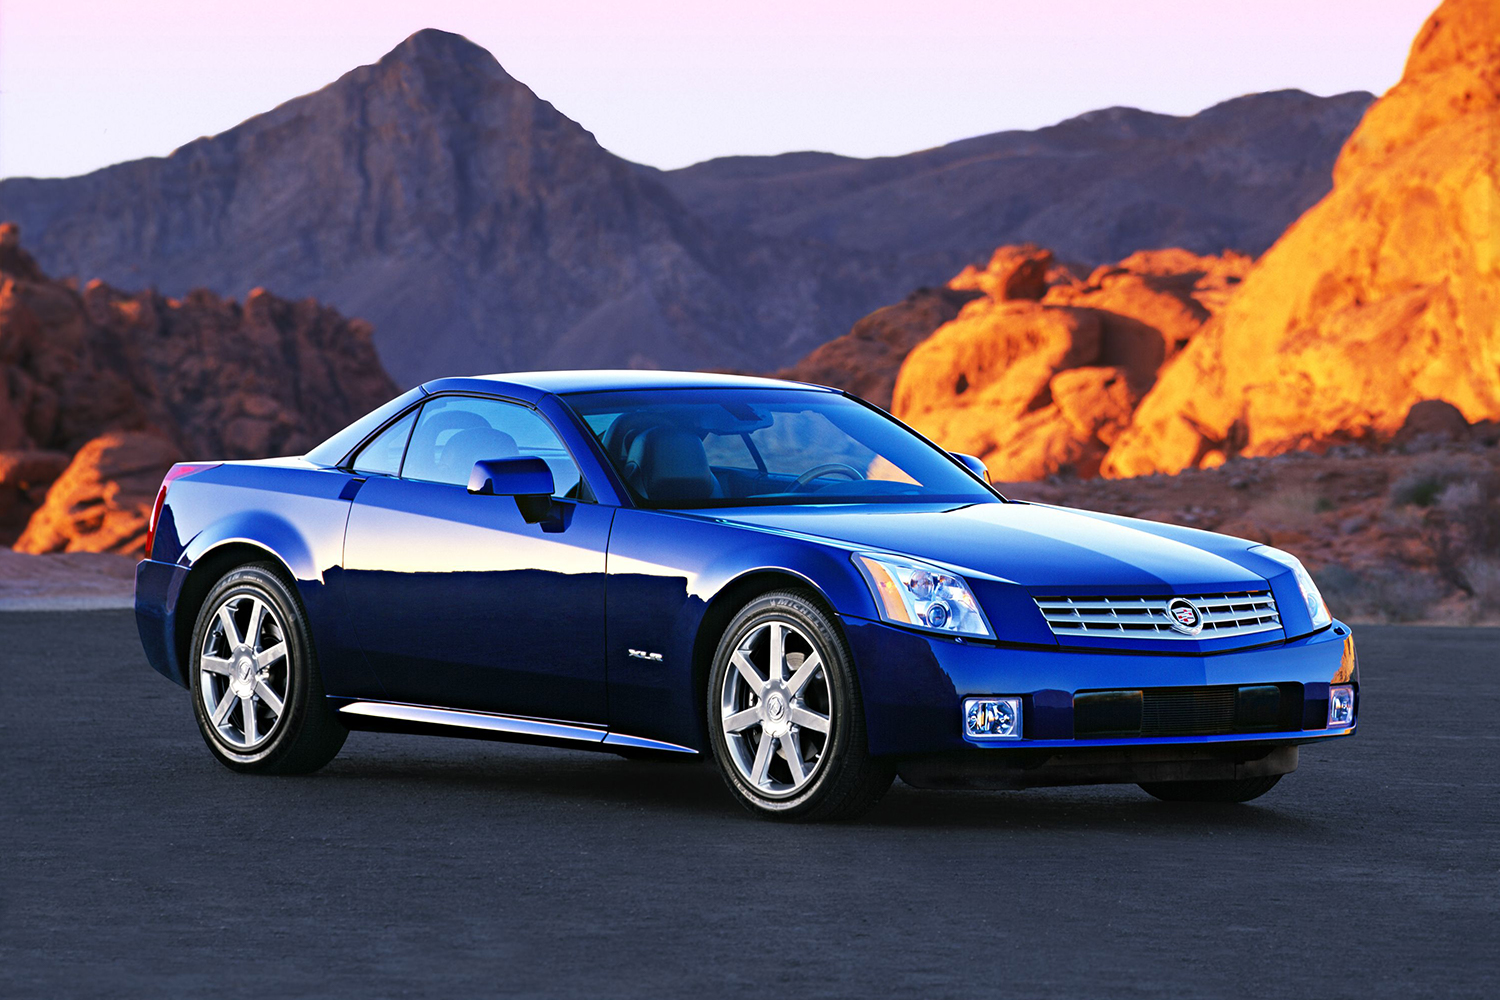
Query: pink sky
86	83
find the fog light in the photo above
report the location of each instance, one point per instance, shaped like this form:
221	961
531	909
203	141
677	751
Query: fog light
992	718
1340	706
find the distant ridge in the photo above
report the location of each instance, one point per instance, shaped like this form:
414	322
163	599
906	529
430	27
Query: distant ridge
1096	187
479	229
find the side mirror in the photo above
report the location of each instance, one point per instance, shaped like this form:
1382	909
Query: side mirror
973	464
529	480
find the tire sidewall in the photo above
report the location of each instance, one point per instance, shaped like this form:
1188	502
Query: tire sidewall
268	586
837	667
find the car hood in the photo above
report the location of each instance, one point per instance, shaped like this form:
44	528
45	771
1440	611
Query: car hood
1042	548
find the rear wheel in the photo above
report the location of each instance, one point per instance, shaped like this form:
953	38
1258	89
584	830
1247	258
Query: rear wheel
257	693
785	717
1231	790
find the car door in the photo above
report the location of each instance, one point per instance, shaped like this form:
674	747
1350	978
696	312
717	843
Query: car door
456	599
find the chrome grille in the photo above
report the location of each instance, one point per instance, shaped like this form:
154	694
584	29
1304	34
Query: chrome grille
1224	615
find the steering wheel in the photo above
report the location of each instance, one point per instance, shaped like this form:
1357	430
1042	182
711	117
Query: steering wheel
818	471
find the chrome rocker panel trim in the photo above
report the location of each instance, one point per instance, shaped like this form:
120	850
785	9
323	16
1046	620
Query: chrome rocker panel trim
494	722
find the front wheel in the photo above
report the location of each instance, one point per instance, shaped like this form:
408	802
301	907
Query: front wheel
257	693
1228	790
785	717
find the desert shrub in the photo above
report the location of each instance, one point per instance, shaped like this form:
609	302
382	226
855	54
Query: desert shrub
1424	482
1462	526
1386	594
1482	574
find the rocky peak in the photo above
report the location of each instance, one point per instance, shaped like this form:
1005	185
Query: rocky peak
444	48
1453	72
1384	294
438	73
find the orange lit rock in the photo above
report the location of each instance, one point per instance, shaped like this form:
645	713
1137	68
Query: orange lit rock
1014	272
968	383
1036	388
1095	402
24	479
102	502
1432	419
1384	294
865	360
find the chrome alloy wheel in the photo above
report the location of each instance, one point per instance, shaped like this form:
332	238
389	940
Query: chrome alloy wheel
776	708
244	672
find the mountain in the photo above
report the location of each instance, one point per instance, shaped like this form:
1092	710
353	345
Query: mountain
1094	188
1385	294
478	228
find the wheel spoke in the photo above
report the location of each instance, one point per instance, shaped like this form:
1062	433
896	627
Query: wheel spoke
231	630
221	711
267	657
804	674
761	769
269	698
257	621
776	668
247	716
791	749
747	670
214	665
741	720
808	719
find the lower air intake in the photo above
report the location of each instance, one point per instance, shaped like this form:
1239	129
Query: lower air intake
1213	710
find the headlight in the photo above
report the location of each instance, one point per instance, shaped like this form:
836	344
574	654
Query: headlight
1310	595
912	593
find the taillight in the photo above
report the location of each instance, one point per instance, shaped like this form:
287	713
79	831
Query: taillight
175	472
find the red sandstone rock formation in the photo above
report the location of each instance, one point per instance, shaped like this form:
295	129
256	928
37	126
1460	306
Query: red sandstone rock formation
209	377
24	478
1036	378
865	360
102	502
1384	294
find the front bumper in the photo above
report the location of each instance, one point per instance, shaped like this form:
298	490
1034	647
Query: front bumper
913	686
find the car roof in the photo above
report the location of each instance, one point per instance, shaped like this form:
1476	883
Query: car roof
531	385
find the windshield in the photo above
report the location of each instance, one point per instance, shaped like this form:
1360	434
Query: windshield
735	447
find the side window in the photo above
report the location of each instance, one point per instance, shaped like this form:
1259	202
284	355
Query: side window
454	432
382	456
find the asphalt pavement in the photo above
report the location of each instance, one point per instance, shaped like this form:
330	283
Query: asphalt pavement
132	864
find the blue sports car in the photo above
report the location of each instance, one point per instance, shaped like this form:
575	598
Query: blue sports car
779	576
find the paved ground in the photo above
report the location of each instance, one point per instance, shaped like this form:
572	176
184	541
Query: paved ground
72	581
131	864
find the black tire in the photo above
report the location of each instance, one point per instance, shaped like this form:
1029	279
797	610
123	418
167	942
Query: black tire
1229	790
845	780
306	734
